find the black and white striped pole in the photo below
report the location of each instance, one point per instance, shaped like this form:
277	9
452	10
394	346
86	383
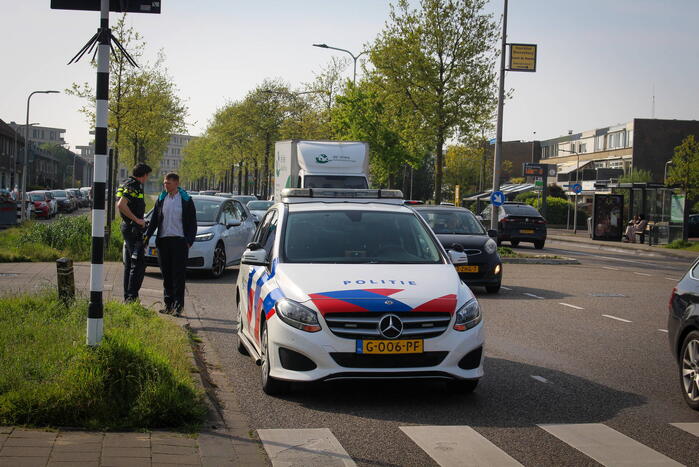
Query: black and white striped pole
95	310
104	41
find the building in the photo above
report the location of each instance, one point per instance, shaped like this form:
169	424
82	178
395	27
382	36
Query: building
11	154
170	162
610	152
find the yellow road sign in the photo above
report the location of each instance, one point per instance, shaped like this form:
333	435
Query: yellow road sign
522	57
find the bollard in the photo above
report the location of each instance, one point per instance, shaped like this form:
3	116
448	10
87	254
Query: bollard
66	280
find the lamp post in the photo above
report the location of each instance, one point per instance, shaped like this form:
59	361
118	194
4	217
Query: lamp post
577	174
26	152
14	182
354	57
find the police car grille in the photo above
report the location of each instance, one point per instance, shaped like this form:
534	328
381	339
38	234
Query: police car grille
353	360
365	325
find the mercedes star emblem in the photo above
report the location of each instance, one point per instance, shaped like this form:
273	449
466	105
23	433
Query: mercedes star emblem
390	326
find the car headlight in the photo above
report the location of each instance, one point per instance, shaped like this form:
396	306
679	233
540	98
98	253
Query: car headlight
204	237
468	316
297	316
490	246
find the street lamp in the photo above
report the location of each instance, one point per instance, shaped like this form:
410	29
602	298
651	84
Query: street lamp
354	76
26	153
15	159
577	175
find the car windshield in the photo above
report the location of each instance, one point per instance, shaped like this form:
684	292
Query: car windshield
38	197
334	181
450	221
521	210
207	209
259	205
60	194
351	237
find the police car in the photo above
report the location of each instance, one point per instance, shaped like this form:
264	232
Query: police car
350	284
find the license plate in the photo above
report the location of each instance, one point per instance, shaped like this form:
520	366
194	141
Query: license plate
152	251
389	347
466	268
527	231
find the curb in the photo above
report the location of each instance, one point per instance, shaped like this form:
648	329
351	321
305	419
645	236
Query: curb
660	251
535	260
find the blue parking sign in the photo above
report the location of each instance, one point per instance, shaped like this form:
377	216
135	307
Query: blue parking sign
577	188
497	198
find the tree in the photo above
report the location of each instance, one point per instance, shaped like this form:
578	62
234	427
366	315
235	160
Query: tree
440	59
636	176
684	174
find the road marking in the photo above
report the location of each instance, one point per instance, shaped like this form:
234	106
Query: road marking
641	273
571	306
609	267
607	446
618	319
458	446
532	295
672	279
692	428
307	446
662	330
506	288
541	379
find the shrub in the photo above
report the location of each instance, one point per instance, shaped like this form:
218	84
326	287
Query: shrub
557	211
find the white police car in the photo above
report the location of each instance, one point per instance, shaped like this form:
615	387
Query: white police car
350	284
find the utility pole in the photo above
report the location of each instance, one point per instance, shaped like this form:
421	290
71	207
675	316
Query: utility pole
501	104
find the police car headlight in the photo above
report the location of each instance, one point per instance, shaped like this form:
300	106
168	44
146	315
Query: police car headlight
490	246
204	237
468	316
298	316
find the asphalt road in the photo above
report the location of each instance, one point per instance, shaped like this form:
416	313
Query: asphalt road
566	345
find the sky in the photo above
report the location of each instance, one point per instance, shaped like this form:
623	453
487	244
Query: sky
599	61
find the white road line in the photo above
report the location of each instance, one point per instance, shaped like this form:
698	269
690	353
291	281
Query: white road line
662	330
641	273
692	428
532	295
506	288
607	446
540	379
672	279
304	446
571	306
616	318
458	446
609	267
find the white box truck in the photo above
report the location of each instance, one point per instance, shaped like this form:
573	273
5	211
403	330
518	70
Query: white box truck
320	164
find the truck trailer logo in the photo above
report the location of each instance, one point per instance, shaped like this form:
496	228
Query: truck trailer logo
322	159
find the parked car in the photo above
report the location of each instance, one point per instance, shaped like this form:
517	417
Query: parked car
87	193
224	194
224	227
193	192
683	331
64	200
77	196
40	204
258	208
518	222
244	199
208	192
456	228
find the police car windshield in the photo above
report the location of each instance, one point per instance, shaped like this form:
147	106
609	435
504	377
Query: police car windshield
207	210
450	221
351	237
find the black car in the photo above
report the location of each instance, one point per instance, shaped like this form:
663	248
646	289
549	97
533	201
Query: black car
694	225
683	329
518	222
458	228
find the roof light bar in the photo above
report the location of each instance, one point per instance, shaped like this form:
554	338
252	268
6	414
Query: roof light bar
344	193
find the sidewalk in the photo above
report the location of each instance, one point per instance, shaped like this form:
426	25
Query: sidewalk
225	440
582	237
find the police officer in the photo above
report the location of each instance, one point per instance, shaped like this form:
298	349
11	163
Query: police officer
132	206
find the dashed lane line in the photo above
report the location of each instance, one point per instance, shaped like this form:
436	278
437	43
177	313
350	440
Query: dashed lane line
611	268
663	330
672	279
571	306
617	318
540	379
642	273
506	288
532	295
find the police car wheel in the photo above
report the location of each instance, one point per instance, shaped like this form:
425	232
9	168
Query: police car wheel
462	386
270	386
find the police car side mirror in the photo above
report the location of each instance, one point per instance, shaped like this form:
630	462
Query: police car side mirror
458	257
256	257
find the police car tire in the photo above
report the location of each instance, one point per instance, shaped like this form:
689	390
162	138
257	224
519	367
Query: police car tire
271	386
462	386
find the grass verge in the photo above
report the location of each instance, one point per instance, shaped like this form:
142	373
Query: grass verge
140	377
682	245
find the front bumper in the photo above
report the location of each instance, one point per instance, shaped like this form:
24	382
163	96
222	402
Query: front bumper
319	346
